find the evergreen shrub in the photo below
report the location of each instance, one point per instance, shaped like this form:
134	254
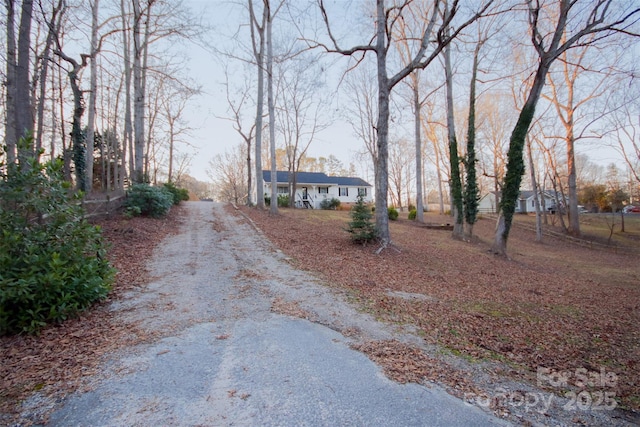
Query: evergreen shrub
393	213
361	228
332	203
178	194
143	199
283	200
52	261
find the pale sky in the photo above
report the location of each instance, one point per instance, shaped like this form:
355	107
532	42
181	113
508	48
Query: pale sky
214	135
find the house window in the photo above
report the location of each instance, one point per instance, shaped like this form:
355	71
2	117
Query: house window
323	190
362	192
344	191
283	190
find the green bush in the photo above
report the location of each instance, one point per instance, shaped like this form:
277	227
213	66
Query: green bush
361	228
283	200
178	194
413	213
143	199
393	213
52	261
332	203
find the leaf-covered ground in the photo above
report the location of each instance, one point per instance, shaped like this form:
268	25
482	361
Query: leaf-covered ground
61	355
554	305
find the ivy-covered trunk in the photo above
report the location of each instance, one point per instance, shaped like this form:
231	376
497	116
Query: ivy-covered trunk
454	161
471	189
77	136
515	161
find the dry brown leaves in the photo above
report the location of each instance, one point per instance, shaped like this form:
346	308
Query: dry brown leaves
56	360
288	308
404	363
554	305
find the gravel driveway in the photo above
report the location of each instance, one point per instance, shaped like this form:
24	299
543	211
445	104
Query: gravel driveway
242	338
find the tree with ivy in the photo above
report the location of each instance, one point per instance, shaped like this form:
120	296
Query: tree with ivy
454	160
570	23
471	197
361	228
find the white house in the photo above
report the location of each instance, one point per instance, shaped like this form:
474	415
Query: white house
525	204
314	187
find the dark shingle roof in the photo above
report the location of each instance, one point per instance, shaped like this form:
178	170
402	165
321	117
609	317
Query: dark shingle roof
316	178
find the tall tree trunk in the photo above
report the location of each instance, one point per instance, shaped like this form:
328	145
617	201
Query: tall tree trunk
249	183
23	106
143	87
127	142
456	184
574	218
417	106
77	136
273	209
515	163
10	135
54	121
139	96
471	188
171	148
93	89
53	28
382	144
536	194
259	56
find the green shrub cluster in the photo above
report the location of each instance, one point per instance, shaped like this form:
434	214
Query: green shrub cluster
283	200
178	194
393	213
143	199
361	228
412	214
52	261
332	203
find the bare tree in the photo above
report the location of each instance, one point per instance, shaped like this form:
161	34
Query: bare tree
236	103
258	41
400	174
53	24
385	38
569	25
624	126
299	116
140	52
430	126
228	171
362	110
19	110
455	181
569	102
173	104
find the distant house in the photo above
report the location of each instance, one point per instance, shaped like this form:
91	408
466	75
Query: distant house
525	204
314	187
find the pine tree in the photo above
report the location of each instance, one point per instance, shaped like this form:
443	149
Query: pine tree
361	228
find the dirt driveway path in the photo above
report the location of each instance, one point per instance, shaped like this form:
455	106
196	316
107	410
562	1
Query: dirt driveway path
242	338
